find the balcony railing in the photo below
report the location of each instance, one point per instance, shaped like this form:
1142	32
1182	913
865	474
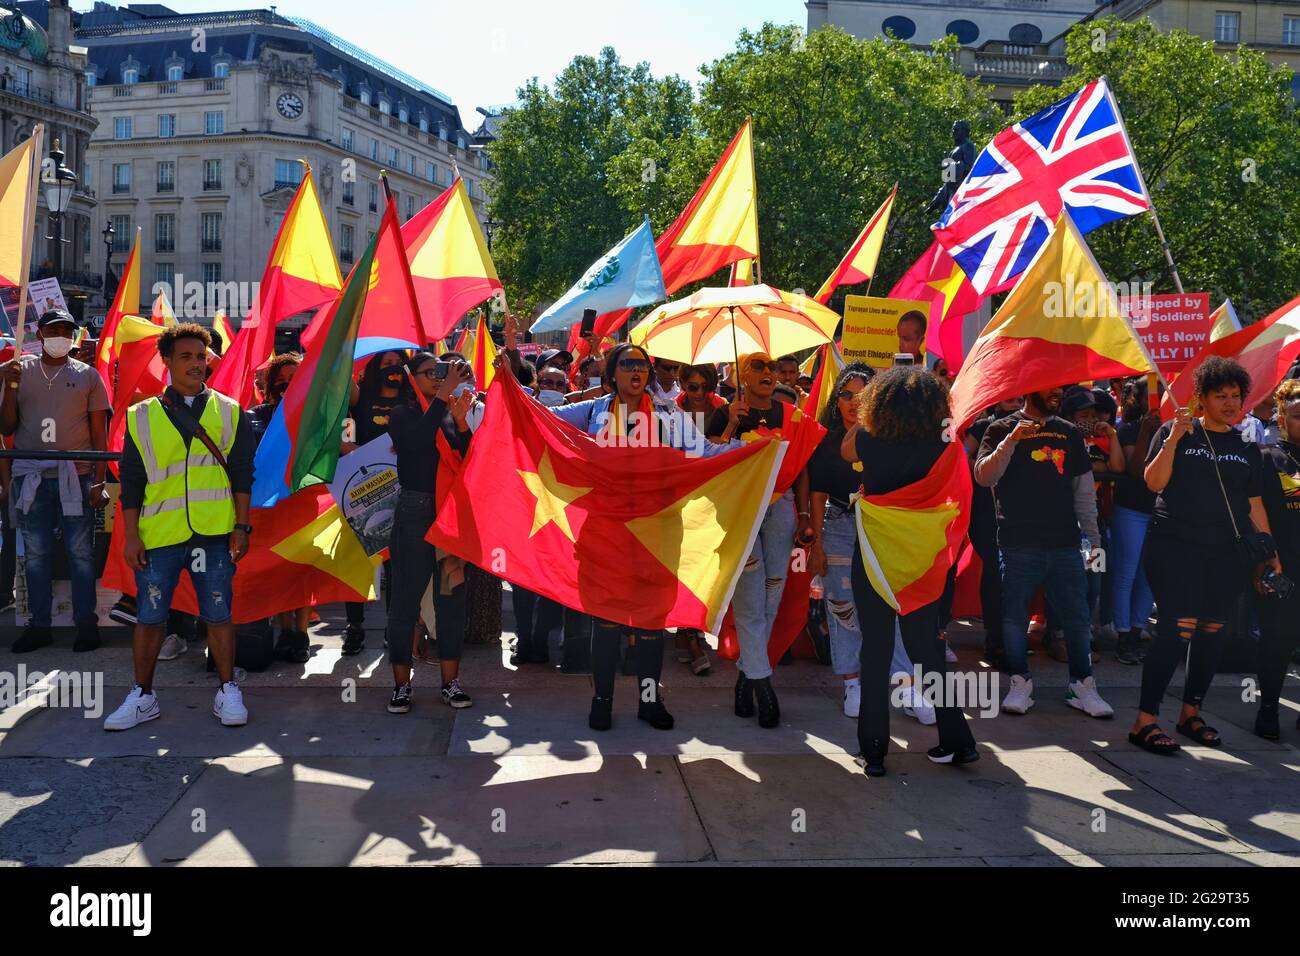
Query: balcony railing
1040	69
211	244
214	85
211	185
166	187
121	188
168	87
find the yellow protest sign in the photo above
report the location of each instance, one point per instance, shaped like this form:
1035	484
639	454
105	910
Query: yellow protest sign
871	328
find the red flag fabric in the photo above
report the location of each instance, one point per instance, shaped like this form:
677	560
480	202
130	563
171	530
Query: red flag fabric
937	279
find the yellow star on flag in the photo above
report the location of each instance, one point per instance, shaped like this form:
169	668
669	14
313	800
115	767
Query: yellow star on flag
552	497
948	288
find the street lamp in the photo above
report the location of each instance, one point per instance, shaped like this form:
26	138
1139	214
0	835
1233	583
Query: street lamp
108	259
489	227
59	182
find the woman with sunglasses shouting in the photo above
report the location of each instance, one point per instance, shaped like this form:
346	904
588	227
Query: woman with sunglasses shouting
618	416
788	520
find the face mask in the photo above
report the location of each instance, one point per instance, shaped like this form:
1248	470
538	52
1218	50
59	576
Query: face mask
550	397
394	376
462	388
57	347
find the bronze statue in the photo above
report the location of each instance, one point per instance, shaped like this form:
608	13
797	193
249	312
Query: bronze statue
956	166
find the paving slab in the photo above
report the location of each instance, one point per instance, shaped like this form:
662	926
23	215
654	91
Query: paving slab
516	810
303	722
59	812
1034	804
1244	859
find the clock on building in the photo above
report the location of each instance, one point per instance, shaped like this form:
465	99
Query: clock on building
289	105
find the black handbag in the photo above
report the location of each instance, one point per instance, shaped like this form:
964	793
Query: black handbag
1254	547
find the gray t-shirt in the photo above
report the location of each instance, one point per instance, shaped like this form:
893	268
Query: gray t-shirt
54	407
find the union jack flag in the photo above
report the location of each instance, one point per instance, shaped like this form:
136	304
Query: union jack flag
1074	154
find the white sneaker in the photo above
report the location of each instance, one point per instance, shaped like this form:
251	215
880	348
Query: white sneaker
136	709
919	709
949	654
173	646
1020	697
852	698
228	705
1082	695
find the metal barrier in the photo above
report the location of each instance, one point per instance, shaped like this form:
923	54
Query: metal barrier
53	455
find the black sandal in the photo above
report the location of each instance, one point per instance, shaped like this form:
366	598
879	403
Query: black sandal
1200	733
1148	739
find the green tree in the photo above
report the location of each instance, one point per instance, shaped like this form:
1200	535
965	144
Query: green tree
1216	139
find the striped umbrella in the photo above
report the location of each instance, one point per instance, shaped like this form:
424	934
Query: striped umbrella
721	324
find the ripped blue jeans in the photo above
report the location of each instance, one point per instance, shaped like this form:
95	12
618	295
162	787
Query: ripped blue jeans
840	541
211	572
758	592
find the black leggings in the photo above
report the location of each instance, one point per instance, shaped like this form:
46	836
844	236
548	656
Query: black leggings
414	564
920	631
983	538
1279	634
1190	581
535	617
647	652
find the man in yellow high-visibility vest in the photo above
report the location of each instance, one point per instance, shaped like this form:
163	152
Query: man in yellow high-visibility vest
187	478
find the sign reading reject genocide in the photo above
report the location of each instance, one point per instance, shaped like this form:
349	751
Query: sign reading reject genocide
1174	328
871	328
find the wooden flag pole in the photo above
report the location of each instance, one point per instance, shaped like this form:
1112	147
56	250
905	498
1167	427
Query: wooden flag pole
20	321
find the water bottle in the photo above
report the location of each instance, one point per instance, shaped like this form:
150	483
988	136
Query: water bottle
817	590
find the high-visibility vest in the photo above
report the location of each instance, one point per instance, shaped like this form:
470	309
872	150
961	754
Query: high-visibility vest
187	493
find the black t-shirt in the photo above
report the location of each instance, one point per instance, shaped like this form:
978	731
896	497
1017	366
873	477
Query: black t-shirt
1282	500
415	438
1132	493
1034	498
1191	506
829	473
754	419
372	415
888	466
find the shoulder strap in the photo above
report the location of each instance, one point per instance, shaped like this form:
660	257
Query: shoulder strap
1224	491
186	418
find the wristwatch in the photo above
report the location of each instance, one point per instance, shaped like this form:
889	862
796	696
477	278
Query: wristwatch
246	528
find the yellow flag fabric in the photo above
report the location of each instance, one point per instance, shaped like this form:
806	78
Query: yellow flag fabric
17	169
484	355
162	311
221	325
859	263
1224	321
727	212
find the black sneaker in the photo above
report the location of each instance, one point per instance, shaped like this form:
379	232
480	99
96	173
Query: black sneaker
655	714
123	612
602	713
354	640
87	637
32	638
401	700
871	766
292	646
453	696
940	755
1128	651
1267	724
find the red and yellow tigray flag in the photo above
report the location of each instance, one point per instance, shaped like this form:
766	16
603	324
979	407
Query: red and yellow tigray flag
719	226
822	392
742	272
162	310
465	343
304	553
302	273
1060	324
140	373
485	353
910	537
221	325
936	278
126	301
19	172
1265	349
1223	321
859	263
451	269
567	507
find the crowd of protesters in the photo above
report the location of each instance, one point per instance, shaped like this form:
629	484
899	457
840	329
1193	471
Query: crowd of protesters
1098	525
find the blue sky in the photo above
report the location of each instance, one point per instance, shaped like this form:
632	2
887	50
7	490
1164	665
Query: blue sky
480	51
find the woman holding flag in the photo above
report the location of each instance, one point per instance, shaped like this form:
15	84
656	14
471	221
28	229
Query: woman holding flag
899	439
622	416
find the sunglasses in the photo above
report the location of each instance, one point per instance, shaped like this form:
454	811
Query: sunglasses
633	365
694	387
847	396
758	365
661	367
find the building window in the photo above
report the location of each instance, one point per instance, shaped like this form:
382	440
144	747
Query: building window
131	75
214	122
211	174
384	106
90	77
220	69
167	176
430	172
211	273
442	129
166	125
965	31
347	139
365	97
410	206
345	242
901	27
164	232
394	158
164	273
403	114
1291	31
212	232
121	177
1025	33
1227	27
374	150
374	197
424	124
175	72
410	163
288	172
349	191
123	237
460	141
122	127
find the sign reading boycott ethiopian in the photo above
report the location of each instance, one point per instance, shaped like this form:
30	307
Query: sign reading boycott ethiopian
365	486
1174	328
871	328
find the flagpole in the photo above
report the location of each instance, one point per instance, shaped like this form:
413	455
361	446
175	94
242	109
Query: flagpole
1155	219
34	177
753	175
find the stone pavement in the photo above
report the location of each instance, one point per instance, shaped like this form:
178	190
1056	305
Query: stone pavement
520	779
